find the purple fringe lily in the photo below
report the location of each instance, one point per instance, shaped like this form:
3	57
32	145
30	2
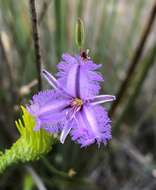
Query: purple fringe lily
73	106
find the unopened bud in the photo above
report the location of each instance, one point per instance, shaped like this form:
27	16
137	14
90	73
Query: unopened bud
79	33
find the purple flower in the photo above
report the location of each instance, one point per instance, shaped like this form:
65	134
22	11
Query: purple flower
73	106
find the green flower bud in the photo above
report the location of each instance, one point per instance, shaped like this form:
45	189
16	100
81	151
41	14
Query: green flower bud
79	33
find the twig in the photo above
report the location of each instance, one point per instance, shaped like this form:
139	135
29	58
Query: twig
135	60
36	41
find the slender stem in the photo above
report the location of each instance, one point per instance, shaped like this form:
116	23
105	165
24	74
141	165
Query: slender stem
65	175
36	41
8	158
54	170
135	60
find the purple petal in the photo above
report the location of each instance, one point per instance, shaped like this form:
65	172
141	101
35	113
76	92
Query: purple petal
101	99
88	116
49	108
54	106
79	77
47	101
92	125
72	83
68	58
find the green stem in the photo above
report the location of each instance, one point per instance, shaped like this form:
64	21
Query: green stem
53	169
64	175
9	157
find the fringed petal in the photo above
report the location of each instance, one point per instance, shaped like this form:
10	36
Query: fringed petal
78	76
49	108
92	125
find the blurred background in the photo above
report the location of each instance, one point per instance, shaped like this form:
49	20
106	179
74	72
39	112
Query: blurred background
121	35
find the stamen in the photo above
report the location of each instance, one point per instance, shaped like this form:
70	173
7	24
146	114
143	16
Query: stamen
77	102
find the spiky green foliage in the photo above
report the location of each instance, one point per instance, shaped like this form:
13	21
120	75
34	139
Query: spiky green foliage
31	144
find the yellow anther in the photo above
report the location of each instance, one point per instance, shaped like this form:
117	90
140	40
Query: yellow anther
77	102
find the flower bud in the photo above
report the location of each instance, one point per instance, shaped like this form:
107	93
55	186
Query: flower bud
79	33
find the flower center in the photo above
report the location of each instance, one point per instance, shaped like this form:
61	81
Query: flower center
77	102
